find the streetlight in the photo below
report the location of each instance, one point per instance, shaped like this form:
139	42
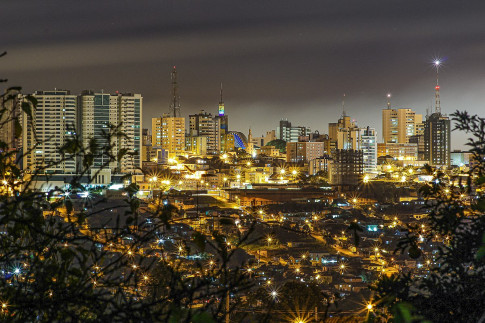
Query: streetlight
274	294
369	307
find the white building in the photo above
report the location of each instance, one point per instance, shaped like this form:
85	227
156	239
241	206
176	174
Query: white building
54	122
97	113
368	145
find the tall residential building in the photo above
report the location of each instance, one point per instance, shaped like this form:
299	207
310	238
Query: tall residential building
99	111
368	145
130	116
398	125
290	133
204	124
8	119
54	122
168	133
437	143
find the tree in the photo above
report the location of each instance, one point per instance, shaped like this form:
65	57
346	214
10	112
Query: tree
454	288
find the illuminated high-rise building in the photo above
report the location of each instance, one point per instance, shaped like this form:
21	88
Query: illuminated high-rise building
54	122
168	133
437	131
398	125
437	141
289	133
99	111
204	124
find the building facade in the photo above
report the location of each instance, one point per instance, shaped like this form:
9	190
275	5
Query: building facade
290	133
437	143
304	152
168	133
98	114
368	145
54	121
346	167
398	125
204	124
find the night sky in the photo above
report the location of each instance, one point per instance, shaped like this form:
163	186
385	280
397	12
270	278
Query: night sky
276	58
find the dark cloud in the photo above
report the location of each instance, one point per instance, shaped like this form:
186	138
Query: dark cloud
277	59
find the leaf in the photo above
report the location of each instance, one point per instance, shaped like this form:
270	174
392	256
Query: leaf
356	239
27	109
225	221
18	128
402	313
32	100
203	317
481	251
69	206
199	240
480	180
414	251
121	153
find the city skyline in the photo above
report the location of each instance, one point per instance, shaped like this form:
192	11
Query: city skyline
276	61
242	161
